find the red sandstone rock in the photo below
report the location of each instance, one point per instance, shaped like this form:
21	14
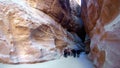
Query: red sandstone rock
102	23
65	12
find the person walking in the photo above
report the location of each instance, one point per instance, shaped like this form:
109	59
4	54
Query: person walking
65	53
78	52
73	52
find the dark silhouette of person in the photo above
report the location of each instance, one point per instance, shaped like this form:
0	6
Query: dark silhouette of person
73	52
68	51
86	52
78	52
65	53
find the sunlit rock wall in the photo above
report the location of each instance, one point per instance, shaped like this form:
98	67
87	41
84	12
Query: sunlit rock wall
28	34
102	23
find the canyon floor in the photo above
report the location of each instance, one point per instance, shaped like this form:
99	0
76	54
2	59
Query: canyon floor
69	62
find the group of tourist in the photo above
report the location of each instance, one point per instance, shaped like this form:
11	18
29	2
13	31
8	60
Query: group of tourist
72	52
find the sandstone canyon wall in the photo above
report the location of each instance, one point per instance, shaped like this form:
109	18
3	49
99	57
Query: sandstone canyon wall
31	31
102	23
65	12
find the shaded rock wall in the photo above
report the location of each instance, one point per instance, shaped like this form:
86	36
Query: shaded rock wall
28	34
65	12
102	23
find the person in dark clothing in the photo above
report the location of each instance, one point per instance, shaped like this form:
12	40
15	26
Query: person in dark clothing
65	53
73	52
69	52
78	52
87	52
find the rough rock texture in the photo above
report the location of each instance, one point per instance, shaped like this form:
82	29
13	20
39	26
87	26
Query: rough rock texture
29	35
102	23
65	12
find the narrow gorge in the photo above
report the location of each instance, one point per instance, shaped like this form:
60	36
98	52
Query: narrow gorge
39	31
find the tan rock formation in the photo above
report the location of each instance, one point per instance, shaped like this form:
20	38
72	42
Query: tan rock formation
28	35
102	23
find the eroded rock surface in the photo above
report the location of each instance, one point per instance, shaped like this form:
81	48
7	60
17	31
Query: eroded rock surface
65	12
102	23
28	35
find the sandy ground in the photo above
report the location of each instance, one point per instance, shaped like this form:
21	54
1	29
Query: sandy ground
70	62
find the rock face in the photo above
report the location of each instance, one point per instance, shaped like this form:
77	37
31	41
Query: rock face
28	34
102	23
65	12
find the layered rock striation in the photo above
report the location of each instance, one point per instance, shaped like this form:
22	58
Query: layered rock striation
65	12
28	34
102	24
